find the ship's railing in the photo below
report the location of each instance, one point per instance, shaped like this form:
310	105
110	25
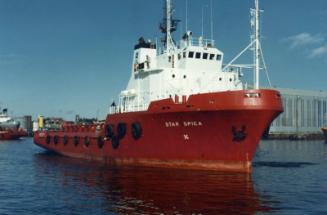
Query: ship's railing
127	108
197	42
200	42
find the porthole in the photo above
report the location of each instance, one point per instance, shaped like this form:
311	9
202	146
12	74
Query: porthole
173	75
220	79
184	76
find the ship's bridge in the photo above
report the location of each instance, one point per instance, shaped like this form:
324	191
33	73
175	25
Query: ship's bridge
192	66
192	54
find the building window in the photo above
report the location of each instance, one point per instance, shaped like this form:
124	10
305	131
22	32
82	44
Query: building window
218	57
205	56
190	54
212	56
198	55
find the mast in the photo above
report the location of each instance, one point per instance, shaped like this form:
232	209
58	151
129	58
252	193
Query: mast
168	26
257	45
169	42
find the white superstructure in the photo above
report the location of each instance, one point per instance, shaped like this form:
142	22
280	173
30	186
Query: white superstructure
177	70
6	121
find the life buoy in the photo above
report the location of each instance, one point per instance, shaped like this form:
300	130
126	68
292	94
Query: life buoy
109	131
65	140
76	140
115	142
100	142
48	139
136	130
86	141
121	130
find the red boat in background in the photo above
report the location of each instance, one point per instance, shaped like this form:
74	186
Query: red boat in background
180	109
12	134
9	128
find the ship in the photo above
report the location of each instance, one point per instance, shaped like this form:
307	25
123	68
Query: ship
9	128
182	108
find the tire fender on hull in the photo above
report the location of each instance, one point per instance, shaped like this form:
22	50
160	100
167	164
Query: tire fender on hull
136	130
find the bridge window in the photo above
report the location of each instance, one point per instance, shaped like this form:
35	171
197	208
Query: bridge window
141	66
169	58
198	55
184	54
179	56
212	56
190	54
218	57
205	56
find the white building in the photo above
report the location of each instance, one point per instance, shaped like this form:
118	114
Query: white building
305	112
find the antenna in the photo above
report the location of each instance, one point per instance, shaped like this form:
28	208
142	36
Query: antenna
204	6
186	15
211	19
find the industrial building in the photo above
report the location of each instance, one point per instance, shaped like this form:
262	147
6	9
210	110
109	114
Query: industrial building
305	112
25	123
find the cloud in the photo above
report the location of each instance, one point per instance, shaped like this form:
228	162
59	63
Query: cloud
317	52
304	39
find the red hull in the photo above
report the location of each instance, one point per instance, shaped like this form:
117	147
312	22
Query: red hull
216	131
12	134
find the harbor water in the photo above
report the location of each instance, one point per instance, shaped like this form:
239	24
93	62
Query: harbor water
288	178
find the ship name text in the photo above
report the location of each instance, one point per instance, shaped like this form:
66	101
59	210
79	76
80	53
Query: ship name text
170	124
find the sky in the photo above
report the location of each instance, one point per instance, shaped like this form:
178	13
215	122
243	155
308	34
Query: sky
68	57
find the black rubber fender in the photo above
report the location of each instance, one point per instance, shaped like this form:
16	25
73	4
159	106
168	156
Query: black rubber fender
121	130
109	131
115	142
86	141
75	140
65	140
48	139
100	142
136	129
55	139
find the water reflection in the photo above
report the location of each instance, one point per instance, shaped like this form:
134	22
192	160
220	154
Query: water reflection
130	190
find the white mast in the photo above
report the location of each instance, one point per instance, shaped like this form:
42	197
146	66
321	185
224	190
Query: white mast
257	45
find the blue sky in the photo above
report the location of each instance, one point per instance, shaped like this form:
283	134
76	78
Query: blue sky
67	57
